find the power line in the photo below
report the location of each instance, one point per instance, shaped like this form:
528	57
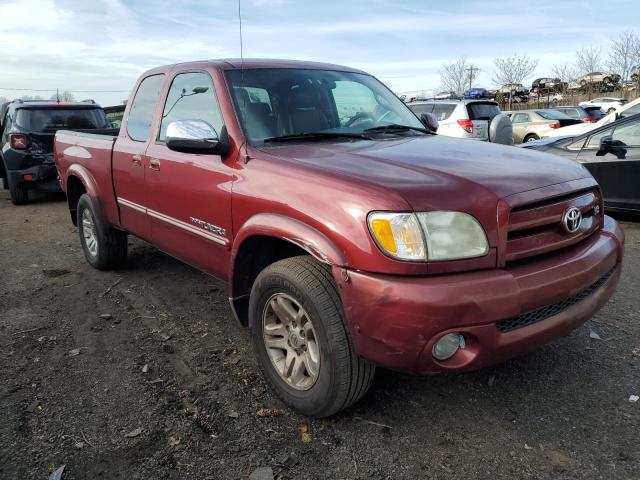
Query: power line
54	89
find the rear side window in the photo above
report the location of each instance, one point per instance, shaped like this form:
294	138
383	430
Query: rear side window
191	97
552	115
630	111
520	118
443	111
51	119
421	108
483	111
141	113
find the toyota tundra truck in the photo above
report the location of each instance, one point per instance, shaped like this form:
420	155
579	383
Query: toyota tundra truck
349	234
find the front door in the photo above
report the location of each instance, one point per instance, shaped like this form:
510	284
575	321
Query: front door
189	194
129	158
617	171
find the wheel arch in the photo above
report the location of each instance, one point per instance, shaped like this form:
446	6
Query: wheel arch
79	181
268	238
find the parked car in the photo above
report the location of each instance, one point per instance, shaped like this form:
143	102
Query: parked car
612	154
581	113
26	140
474	119
476	93
635	74
627	110
445	95
114	115
599	77
607	104
530	125
352	243
514	91
548	84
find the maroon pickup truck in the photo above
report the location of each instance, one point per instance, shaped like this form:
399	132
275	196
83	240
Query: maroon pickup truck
349	234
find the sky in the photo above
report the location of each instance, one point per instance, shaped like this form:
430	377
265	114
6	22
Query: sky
97	49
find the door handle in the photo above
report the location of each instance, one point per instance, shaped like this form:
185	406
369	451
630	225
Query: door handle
136	160
154	164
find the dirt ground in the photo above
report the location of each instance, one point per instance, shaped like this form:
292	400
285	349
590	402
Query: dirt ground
142	373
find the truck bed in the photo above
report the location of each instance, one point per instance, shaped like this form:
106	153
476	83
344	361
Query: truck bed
89	156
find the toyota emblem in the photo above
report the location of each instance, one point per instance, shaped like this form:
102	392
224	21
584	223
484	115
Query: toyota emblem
572	219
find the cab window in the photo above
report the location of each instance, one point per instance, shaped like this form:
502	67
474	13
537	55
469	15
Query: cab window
594	140
627	135
191	97
142	108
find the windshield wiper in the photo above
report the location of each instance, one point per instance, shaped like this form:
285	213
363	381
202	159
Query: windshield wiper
315	136
394	127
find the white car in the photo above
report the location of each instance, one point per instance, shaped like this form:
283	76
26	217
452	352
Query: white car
627	110
607	104
474	119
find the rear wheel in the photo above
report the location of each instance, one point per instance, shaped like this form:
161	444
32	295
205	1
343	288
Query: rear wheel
301	341
104	247
19	196
532	137
611	110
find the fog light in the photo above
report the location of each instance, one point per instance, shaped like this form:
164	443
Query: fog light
447	346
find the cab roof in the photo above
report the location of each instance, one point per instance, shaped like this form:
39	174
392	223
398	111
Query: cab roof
252	63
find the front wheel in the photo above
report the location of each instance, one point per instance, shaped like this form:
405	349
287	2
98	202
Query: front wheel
104	247
301	341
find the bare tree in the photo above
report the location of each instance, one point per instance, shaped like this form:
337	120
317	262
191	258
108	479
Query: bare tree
589	59
65	96
513	70
623	54
455	75
567	73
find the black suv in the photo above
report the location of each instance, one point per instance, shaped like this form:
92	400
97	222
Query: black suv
27	129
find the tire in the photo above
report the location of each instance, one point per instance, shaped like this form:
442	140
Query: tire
306	285
104	247
531	137
611	110
19	196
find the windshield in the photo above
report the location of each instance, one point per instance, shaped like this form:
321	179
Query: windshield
278	102
41	119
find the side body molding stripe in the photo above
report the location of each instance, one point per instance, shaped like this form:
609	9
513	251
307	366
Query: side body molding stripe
173	221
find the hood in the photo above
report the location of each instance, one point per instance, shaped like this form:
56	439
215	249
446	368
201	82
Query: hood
429	171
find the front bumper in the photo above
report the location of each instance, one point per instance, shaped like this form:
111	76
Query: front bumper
394	321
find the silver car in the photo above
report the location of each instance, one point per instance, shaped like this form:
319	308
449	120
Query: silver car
531	125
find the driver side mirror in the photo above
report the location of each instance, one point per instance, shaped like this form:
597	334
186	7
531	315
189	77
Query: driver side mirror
192	136
429	121
607	145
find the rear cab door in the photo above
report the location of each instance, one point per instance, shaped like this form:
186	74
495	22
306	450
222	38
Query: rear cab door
129	158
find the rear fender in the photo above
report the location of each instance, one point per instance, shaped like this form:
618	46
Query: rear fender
90	186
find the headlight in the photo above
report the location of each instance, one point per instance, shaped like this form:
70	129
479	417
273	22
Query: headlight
398	234
436	235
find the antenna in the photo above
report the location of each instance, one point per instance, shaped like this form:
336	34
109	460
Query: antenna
58	95
241	52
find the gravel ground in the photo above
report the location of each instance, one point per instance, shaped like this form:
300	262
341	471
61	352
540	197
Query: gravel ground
142	373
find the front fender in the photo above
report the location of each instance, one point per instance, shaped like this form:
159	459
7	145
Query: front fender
291	230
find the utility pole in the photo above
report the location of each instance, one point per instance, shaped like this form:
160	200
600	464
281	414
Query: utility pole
472	72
